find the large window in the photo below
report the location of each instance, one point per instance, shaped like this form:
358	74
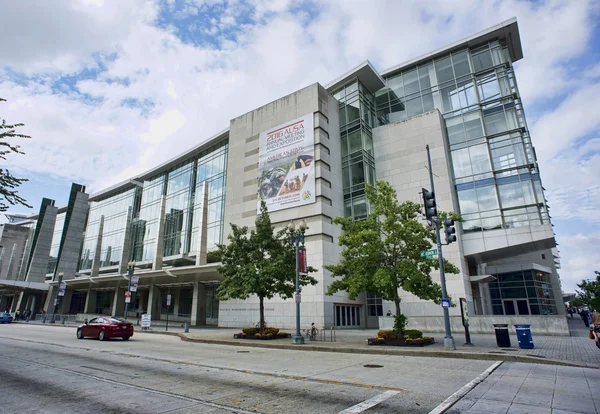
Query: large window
526	292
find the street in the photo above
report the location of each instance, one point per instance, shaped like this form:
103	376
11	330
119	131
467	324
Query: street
46	369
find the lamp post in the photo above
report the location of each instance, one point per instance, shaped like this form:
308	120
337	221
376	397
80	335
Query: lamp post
130	270
57	298
297	237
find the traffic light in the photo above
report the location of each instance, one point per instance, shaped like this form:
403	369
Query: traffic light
429	202
449	230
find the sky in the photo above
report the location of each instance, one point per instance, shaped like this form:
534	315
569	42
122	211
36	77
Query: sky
110	88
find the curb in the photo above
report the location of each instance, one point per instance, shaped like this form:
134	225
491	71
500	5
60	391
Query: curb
454	398
394	352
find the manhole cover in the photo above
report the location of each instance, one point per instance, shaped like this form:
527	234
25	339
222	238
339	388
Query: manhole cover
535	356
373	366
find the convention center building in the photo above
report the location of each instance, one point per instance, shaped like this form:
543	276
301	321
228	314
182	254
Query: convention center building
309	155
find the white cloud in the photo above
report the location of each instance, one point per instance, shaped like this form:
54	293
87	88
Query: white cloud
160	96
582	264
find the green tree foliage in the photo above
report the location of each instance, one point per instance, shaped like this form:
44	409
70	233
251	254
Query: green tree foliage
383	252
259	262
8	182
590	292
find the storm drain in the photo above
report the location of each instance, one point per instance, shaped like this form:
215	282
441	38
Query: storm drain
535	356
373	366
243	352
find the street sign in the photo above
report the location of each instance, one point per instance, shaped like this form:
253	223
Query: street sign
445	303
429	253
134	280
62	288
127	297
146	320
168	300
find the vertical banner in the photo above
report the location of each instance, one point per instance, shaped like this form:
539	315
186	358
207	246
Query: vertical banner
286	165
464	312
302	266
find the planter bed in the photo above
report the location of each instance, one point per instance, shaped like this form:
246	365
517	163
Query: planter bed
280	335
401	342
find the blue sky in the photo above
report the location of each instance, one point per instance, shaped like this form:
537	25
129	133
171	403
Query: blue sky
109	89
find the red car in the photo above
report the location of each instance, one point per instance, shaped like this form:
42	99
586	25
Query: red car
105	327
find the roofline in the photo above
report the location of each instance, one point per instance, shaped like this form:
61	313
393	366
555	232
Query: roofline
126	184
342	80
508	29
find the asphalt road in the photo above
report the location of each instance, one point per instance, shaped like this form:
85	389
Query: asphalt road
46	369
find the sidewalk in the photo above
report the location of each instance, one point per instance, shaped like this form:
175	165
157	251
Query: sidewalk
576	350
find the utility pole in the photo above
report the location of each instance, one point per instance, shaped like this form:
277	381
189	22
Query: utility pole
449	344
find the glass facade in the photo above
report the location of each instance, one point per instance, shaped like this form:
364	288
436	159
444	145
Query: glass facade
526	292
181	186
55	246
114	210
495	171
357	117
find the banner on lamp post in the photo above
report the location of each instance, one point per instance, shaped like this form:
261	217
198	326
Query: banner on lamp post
302	266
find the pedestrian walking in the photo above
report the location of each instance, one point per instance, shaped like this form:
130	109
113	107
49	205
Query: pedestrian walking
570	310
585	315
17	314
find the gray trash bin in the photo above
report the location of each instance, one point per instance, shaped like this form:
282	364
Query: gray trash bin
502	335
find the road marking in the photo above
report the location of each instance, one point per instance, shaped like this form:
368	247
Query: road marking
372	402
453	399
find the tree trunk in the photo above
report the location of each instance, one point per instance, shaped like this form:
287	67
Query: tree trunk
262	314
396	299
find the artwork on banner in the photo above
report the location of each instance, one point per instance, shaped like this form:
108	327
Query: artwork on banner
286	165
134	283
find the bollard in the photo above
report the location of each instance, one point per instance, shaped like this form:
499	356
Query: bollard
186	328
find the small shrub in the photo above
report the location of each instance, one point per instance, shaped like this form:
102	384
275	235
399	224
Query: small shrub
408	341
386	334
271	331
427	338
250	331
413	333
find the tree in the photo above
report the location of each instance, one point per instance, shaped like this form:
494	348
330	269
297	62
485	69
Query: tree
590	292
383	252
261	262
8	182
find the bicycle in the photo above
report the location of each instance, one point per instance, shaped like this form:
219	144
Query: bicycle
312	332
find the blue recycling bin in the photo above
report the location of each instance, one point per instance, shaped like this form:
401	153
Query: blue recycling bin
524	336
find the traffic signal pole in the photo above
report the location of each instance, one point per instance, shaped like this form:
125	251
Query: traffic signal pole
449	344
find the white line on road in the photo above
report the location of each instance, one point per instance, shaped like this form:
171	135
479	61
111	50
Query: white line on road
365	405
451	400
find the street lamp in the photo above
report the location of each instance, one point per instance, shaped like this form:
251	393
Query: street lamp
58	296
130	270
297	237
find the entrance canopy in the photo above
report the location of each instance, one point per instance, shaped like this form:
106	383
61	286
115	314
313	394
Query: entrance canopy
21	285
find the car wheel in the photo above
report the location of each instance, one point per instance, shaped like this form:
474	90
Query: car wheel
126	338
79	334
102	336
